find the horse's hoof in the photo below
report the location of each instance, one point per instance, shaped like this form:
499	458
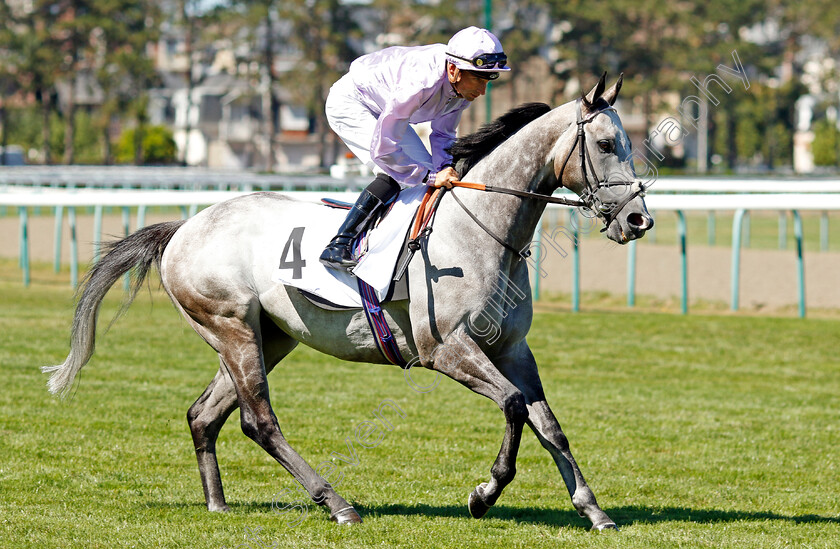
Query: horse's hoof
476	504
223	508
604	526
348	515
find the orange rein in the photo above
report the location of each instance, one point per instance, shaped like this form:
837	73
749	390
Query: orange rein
426	208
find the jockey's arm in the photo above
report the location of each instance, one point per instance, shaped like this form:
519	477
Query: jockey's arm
443	135
386	144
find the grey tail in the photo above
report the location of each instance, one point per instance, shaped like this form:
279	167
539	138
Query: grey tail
136	253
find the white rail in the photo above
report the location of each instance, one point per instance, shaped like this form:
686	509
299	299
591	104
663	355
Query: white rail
815	197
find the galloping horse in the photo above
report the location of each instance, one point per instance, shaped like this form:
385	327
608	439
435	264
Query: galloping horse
216	270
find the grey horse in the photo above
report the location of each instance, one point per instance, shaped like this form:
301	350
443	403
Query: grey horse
459	319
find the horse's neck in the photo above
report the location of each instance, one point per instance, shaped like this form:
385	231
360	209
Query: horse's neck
519	163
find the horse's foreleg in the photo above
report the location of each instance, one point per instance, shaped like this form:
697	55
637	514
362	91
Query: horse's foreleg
521	368
462	360
486	494
541	419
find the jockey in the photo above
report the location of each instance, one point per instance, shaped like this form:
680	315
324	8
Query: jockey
371	107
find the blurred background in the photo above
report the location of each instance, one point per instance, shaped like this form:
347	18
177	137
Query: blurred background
241	84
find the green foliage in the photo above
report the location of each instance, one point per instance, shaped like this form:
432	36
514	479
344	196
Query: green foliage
26	129
87	140
755	126
158	146
826	142
658	44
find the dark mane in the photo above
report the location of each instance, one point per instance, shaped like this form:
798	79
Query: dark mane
468	150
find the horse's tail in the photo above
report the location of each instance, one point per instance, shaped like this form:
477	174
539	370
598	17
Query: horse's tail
137	253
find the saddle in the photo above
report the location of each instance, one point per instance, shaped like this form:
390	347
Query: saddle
398	288
421	227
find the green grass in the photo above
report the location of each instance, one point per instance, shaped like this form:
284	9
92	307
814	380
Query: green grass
696	431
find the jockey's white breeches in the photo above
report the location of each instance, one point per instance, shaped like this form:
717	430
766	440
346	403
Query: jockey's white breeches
355	124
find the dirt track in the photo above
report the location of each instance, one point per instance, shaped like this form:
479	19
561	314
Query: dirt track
768	277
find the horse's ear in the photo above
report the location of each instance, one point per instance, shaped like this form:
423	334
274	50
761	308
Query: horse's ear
612	94
597	91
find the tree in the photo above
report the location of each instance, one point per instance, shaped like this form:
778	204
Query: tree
123	70
321	31
71	33
826	142
261	18
7	85
157	147
32	58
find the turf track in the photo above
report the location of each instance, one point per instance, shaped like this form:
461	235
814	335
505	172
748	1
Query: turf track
697	431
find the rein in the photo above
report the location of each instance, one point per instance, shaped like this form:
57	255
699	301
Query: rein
522	194
522	254
588	199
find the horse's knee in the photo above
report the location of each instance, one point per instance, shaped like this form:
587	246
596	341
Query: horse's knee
547	427
257	428
515	408
554	435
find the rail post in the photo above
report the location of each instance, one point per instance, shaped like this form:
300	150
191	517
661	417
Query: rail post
631	274
737	222
681	230
24	244
800	264
575	263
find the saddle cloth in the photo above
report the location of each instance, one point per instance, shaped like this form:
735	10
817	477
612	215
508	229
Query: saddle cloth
376	267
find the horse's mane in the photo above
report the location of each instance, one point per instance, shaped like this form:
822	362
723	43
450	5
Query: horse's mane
468	150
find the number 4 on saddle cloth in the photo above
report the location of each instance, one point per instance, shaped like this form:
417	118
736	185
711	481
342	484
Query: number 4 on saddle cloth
304	237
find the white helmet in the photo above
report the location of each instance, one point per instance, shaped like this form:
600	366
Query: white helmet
475	49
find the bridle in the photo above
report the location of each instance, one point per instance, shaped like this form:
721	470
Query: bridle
589	199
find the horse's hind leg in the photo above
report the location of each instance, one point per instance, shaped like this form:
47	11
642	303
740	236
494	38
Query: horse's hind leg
235	335
207	415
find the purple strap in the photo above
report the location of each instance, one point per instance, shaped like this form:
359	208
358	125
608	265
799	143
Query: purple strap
378	325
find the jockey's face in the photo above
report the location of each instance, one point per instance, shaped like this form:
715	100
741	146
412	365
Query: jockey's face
466	84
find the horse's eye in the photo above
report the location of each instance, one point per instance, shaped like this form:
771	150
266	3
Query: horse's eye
605	145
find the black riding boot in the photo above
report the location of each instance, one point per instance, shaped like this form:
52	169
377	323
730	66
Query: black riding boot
339	252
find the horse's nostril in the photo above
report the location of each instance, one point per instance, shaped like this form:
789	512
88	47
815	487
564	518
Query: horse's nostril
639	222
636	220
